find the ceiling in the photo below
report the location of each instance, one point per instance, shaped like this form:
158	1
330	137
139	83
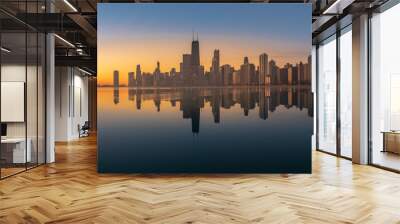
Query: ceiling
75	21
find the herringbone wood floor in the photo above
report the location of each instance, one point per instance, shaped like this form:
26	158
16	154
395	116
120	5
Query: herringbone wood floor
71	191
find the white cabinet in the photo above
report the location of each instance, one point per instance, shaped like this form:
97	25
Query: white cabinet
19	154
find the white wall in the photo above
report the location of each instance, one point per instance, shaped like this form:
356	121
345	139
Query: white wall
16	73
33	126
71	102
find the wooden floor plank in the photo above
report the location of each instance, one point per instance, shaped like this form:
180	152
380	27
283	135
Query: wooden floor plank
71	191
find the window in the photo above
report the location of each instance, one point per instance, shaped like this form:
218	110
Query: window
22	64
327	95
385	89
346	92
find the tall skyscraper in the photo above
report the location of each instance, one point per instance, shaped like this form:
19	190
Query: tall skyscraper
195	72
157	75
226	74
263	70
247	72
215	72
301	73
186	68
236	77
138	76
131	79
273	71
246	60
283	75
291	79
195	53
116	79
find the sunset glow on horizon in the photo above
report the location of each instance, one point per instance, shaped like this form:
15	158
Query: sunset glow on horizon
132	34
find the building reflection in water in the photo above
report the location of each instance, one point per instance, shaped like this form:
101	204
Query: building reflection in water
192	100
116	95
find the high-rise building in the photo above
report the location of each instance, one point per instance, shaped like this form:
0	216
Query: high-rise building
131	79
226	74
291	79
283	75
138	76
195	54
157	75
246	60
236	78
301	73
196	72
186	68
247	72
263	74
116	79
309	71
273	71
215	72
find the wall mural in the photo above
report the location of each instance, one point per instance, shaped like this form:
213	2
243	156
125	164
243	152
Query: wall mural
204	88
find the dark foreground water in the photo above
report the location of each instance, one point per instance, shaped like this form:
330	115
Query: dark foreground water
205	130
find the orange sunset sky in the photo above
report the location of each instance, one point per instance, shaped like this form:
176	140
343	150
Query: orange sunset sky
147	33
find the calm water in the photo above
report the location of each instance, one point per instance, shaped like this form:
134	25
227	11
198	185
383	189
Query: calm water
205	130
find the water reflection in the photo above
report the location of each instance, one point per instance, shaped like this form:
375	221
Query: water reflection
192	100
231	129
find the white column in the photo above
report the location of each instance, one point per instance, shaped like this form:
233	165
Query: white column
360	90
50	98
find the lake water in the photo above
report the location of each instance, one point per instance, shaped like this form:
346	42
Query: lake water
205	130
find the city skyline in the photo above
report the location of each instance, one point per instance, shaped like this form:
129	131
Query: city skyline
253	32
192	73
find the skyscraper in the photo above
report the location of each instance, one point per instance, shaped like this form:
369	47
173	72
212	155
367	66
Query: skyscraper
215	73
156	75
226	74
273	71
283	75
138	75
291	79
195	53
131	79
236	77
263	70
301	73
186	68
195	72
247	72
116	79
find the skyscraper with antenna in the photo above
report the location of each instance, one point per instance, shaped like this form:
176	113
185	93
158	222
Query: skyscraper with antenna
195	58
196	51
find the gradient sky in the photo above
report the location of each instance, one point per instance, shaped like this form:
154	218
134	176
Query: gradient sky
131	34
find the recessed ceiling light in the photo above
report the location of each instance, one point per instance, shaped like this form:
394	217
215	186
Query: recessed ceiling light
84	71
5	50
64	40
70	5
